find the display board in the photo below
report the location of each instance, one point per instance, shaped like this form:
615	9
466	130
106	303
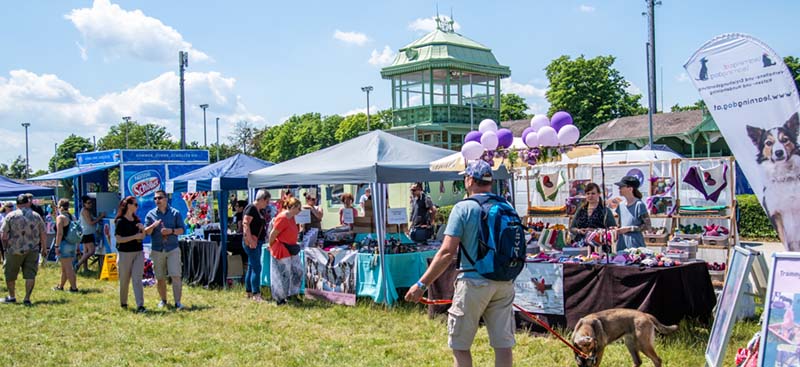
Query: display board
780	334
540	288
331	276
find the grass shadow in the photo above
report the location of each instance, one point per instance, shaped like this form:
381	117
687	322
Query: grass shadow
46	302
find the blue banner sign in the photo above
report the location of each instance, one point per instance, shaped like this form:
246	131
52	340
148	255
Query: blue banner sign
105	156
199	156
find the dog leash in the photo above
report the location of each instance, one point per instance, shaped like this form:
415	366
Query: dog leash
539	321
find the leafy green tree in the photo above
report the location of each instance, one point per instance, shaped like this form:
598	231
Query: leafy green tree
225	151
3	169
67	150
793	63
147	136
512	107
699	105
242	137
17	168
591	90
351	126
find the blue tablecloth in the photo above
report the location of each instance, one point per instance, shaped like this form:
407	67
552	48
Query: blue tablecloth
265	266
403	271
398	236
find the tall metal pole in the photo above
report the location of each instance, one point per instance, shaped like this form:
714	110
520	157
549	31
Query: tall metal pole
217	139
471	102
147	134
367	89
651	63
55	149
650	103
127	127
205	141
27	158
94	142
183	62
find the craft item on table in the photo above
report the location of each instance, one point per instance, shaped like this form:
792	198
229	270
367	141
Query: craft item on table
537	226
547	185
689	229
551	239
715	230
702	210
709	181
546	210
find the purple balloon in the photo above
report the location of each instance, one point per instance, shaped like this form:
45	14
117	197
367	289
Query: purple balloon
505	138
560	119
473	136
527	131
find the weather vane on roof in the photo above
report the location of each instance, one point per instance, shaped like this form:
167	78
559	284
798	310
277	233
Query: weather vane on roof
443	23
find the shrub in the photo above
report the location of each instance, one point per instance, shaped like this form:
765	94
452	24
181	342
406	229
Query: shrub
443	213
753	221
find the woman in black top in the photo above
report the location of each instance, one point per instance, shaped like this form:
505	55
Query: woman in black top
254	226
591	215
129	233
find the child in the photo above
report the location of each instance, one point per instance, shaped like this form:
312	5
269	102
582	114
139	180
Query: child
347	199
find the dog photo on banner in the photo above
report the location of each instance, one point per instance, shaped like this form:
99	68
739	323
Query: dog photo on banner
331	276
540	288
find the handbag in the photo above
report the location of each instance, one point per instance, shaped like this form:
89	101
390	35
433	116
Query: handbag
293	249
420	234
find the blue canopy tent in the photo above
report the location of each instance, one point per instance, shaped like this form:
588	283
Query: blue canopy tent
10	189
223	176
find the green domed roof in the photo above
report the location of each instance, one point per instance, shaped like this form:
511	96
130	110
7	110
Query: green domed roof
445	49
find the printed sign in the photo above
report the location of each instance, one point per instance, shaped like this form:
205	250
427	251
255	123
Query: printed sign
165	156
752	96
397	216
215	184
540	288
347	216
331	276
106	156
304	217
191	186
144	183
780	336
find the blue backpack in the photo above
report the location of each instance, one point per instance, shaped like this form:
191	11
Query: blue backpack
501	240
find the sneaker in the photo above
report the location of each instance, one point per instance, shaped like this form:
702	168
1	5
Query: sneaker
162	304
27	302
73	290
141	309
179	306
58	289
8	299
280	302
124	305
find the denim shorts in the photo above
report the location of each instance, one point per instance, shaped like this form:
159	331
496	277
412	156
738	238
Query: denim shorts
66	249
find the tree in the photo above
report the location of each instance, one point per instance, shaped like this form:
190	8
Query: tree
3	169
699	105
242	137
793	64
147	136
351	126
67	150
225	151
512	107
591	90
18	167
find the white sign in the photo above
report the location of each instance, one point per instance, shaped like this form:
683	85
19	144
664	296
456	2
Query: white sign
191	186
215	184
347	216
303	217
397	216
169	187
752	96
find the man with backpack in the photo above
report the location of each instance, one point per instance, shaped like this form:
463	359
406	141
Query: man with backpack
486	234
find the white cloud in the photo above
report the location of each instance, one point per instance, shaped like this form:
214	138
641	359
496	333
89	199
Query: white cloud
586	8
56	109
429	24
382	58
119	33
682	77
372	110
523	90
633	88
355	38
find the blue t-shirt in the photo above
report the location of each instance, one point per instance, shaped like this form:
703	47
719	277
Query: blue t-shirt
631	215
463	223
171	218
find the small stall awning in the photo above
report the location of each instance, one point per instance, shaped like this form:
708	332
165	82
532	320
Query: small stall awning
74	171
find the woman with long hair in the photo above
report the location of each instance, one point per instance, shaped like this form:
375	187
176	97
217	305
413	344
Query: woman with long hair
65	251
285	271
591	215
129	234
633	215
88	227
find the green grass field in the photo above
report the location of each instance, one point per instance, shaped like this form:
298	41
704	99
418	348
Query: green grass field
221	328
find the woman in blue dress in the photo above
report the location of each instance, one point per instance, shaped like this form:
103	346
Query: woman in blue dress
633	216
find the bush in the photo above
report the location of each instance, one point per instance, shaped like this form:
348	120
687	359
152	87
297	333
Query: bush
753	221
443	213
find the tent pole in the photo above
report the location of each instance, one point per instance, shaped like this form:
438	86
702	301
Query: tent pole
222	205
379	209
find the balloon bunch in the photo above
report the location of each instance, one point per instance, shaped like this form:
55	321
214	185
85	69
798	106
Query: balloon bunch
545	138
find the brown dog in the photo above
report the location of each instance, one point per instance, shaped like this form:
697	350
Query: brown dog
595	331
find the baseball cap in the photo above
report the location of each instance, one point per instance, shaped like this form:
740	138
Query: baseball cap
23	199
629	181
479	170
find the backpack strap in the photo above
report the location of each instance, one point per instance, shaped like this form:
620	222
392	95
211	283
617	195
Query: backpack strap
480	200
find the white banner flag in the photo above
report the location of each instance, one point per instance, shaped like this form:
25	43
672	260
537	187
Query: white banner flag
752	96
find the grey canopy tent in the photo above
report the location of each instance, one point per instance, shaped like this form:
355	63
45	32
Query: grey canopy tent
376	158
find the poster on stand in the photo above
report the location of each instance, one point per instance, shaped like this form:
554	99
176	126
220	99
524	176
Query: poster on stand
780	334
752	97
331	275
540	288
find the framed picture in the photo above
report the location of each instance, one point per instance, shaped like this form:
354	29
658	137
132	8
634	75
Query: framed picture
780	334
540	288
725	314
578	187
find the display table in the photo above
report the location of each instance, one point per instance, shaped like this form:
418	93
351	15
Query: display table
670	294
403	271
200	262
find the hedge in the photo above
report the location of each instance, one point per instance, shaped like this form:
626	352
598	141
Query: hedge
443	213
753	221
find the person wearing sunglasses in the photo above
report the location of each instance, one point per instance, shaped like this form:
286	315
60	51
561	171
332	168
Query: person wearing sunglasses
129	234
164	224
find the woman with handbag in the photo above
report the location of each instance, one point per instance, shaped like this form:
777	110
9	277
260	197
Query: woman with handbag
65	251
285	271
254	224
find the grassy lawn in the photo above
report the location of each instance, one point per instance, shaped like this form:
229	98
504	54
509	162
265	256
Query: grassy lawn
221	328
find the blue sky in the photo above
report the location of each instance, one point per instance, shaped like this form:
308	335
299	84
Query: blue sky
79	66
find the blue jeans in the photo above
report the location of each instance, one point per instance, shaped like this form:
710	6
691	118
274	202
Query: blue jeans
252	278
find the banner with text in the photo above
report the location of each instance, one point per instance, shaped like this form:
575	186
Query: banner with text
752	97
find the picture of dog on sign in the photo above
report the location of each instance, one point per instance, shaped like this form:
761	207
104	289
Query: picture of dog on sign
778	155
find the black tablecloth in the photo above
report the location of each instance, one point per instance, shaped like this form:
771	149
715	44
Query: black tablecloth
669	294
200	262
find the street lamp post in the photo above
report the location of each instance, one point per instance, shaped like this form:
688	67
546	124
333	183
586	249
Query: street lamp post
367	89
183	62
127	122
27	158
205	141
217	139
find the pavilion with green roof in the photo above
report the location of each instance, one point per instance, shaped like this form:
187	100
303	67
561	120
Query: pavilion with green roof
443	85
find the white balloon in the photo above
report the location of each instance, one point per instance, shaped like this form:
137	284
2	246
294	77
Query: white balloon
489	140
548	137
532	140
568	135
487	125
539	121
472	150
